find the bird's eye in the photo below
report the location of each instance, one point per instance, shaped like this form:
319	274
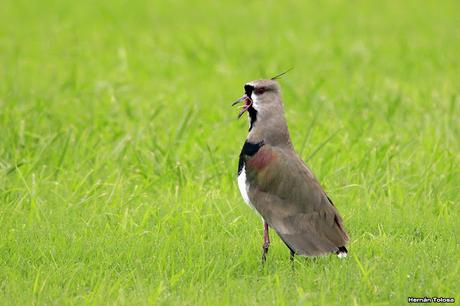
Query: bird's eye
259	91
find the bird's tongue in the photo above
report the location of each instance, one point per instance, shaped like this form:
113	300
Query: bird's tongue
244	108
247	104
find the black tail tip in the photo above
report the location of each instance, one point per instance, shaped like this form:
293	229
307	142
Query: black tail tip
342	252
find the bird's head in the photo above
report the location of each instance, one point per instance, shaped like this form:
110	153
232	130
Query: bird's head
262	101
260	97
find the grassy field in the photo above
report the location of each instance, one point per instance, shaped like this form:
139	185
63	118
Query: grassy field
119	149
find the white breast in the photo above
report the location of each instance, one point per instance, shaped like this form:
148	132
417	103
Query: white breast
244	187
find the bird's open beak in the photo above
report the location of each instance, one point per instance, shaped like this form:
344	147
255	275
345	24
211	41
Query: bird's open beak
247	103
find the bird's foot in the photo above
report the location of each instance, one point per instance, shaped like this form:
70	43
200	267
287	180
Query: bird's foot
265	251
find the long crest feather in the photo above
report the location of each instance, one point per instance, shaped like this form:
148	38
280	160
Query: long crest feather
281	74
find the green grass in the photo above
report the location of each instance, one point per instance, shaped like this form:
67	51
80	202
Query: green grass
118	149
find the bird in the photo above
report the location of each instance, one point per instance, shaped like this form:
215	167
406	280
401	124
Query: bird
275	182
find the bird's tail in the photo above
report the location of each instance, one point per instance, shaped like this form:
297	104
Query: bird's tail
342	252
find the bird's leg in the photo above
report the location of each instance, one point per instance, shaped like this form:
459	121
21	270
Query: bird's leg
266	243
292	255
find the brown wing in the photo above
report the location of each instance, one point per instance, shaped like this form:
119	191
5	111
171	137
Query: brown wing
287	195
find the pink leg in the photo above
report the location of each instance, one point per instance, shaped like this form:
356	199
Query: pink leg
266	243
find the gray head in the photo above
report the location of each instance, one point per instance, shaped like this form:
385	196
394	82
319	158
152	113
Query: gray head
262	101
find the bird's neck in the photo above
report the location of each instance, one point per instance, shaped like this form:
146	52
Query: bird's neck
271	130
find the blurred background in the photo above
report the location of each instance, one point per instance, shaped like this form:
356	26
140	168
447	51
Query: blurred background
119	148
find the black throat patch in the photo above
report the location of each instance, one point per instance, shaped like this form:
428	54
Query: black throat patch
248	89
249	149
252	116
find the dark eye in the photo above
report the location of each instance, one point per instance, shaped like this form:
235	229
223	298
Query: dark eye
259	91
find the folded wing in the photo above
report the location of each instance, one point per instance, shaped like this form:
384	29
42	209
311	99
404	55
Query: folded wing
290	199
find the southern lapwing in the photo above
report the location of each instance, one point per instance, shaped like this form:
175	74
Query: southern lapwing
277	184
